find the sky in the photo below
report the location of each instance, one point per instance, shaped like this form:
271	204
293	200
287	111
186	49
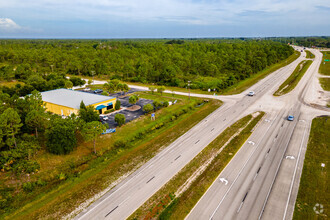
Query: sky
163	18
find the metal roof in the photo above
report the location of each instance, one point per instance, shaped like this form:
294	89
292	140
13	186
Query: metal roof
72	98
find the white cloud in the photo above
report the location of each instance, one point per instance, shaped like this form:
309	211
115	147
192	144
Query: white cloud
8	25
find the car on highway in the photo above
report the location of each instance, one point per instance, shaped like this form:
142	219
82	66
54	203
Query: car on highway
251	93
290	118
98	91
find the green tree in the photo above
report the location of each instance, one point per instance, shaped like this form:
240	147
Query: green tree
109	87
92	130
68	84
120	119
36	120
117	105
87	114
152	89
165	104
60	135
161	89
125	88
89	82
133	99
148	108
10	124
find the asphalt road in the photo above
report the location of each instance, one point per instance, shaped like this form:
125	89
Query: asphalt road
263	179
272	139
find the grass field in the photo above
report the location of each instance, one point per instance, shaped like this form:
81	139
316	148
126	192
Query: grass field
292	81
325	65
325	83
309	55
235	89
204	168
314	182
10	84
87	174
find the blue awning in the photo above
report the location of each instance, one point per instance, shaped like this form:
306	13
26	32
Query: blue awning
110	103
100	107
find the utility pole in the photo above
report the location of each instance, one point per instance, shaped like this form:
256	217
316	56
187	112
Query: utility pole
93	72
189	88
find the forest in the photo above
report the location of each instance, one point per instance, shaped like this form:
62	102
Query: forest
207	63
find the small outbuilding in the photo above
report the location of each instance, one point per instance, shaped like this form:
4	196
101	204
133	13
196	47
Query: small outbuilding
66	101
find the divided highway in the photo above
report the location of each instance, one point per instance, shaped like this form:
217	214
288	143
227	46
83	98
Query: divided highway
263	178
250	174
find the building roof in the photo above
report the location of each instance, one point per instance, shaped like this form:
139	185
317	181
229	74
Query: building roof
72	98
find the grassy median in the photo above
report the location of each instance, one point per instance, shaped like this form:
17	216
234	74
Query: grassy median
86	175
183	191
314	182
292	81
309	54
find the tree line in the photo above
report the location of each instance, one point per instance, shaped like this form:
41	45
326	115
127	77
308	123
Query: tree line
215	64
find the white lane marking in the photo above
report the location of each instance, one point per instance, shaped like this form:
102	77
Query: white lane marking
294	174
251	142
239	174
278	167
290	157
223	180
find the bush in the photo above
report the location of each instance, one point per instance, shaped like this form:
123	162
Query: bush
157	104
28	186
109	111
105	93
120	119
61	137
165	104
117	105
26	166
148	108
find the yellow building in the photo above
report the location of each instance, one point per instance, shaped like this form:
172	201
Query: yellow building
66	101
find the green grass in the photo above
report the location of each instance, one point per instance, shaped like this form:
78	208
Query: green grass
325	65
179	179
325	83
314	182
196	190
309	55
11	83
57	200
292	81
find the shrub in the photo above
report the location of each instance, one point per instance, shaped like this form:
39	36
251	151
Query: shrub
28	186
105	93
165	104
120	119
148	108
26	166
117	105
157	104
109	111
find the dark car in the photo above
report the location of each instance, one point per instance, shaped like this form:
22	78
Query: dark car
98	91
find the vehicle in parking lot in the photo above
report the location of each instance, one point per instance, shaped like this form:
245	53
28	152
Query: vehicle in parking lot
251	93
290	118
98	91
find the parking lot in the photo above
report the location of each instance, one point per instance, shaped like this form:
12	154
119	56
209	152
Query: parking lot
129	115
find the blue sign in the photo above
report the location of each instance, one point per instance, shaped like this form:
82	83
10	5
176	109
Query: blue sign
108	131
153	115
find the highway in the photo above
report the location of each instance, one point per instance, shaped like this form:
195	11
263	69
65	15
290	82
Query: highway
272	139
263	179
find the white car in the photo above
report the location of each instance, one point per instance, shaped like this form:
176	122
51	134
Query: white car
251	93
